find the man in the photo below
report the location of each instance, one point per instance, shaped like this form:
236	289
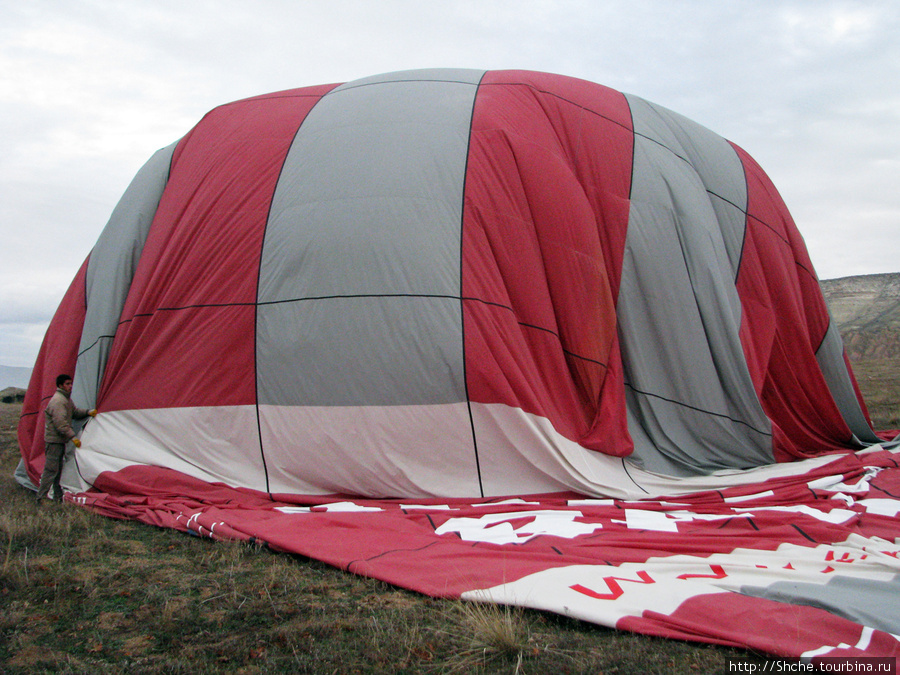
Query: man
59	413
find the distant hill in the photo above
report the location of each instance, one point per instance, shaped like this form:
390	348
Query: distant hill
866	310
14	376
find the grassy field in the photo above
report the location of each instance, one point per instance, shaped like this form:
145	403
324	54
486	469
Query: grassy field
81	593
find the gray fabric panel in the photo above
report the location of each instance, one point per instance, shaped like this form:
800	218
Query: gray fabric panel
831	361
22	478
692	406
111	268
707	153
360	351
868	603
369	203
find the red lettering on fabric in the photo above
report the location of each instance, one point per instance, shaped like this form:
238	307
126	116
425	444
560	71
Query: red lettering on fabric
613	586
718	573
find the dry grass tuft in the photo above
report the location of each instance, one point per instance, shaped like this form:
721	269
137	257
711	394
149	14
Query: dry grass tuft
500	638
496	629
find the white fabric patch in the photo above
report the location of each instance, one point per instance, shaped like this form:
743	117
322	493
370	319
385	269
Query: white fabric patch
497	528
336	507
604	594
591	502
837	484
426	507
834	516
748	498
881	507
667	521
865	637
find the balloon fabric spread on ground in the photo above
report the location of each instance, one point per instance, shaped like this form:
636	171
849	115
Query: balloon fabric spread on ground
498	335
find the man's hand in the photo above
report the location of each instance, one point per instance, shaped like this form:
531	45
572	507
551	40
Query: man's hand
92	413
76	442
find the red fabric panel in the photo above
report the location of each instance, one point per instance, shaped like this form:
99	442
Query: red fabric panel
545	218
58	355
765	625
396	542
187	336
400	546
784	322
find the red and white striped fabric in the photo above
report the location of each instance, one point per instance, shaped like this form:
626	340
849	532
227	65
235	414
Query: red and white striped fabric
803	563
459	285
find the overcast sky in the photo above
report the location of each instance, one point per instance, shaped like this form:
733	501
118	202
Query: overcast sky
90	89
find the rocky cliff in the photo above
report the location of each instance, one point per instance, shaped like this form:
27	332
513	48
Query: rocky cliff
866	310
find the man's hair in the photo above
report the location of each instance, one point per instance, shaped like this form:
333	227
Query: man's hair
61	379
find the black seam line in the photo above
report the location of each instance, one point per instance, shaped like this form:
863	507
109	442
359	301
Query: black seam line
698	302
633	144
44	398
778	234
807	270
486	84
556	335
745	210
803	533
887	492
351	296
567	100
462	299
259	259
821	344
197	306
716	194
168	177
437	296
390	552
742	209
747	215
77	467
663	146
87	269
695	408
95	343
627	473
